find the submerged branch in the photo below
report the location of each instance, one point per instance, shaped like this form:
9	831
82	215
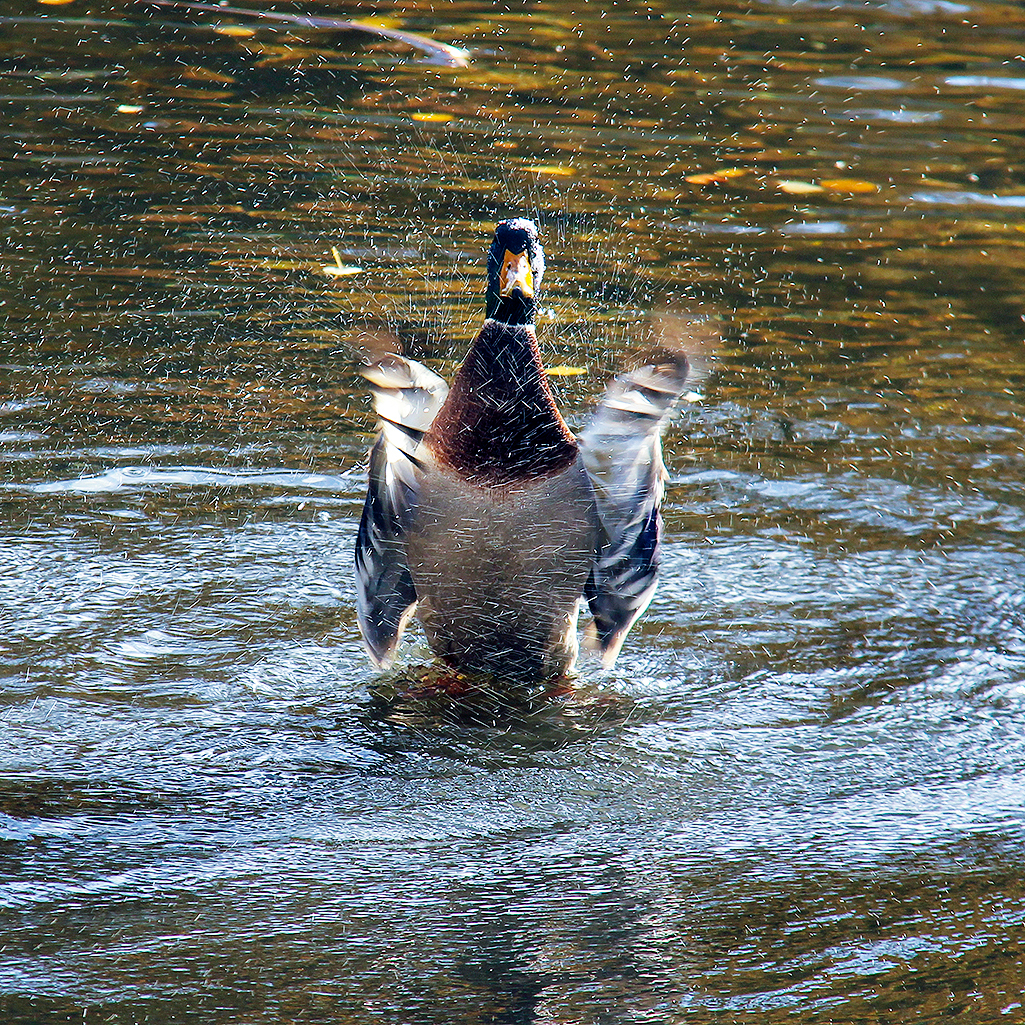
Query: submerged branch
438	53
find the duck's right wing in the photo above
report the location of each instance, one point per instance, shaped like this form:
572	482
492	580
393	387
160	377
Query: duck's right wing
621	449
407	397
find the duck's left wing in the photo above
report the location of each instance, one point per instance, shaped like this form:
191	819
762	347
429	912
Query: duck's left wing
407	397
621	450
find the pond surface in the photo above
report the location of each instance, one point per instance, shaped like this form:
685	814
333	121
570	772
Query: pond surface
800	794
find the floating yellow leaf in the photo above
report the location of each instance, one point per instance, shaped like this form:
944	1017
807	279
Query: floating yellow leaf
427	116
564	371
56	3
279	264
849	185
562	170
724	174
796	188
339	269
130	108
235	31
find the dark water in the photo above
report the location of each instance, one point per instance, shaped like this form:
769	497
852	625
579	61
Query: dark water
798	797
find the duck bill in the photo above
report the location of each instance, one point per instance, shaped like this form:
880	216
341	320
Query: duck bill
516	273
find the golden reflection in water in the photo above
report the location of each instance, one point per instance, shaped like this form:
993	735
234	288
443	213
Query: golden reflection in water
800	797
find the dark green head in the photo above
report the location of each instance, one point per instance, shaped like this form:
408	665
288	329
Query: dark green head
515	266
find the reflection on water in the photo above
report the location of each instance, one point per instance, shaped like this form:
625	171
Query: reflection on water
798	795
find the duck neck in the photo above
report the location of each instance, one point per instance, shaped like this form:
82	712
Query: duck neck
516	309
500	423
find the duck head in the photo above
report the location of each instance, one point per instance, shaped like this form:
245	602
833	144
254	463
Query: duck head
515	267
500	423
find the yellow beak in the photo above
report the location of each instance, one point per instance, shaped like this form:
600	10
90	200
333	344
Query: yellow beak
516	273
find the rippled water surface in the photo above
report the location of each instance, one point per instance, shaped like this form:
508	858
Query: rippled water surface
799	795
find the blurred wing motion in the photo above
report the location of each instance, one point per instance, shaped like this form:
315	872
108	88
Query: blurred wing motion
621	449
407	397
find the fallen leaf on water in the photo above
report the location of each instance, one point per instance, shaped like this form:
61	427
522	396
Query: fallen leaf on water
56	3
123	108
562	170
339	269
426	116
796	188
724	174
235	31
279	264
849	185
564	371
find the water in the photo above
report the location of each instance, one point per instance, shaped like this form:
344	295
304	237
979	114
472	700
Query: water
797	797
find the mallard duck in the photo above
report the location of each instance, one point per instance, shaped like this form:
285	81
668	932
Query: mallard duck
485	515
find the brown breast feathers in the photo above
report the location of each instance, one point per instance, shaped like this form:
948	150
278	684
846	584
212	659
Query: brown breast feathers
500	423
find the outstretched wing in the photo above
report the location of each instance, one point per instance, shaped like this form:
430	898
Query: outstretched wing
621	449
407	396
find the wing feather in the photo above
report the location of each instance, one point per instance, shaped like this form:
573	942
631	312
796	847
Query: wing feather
407	397
621	449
